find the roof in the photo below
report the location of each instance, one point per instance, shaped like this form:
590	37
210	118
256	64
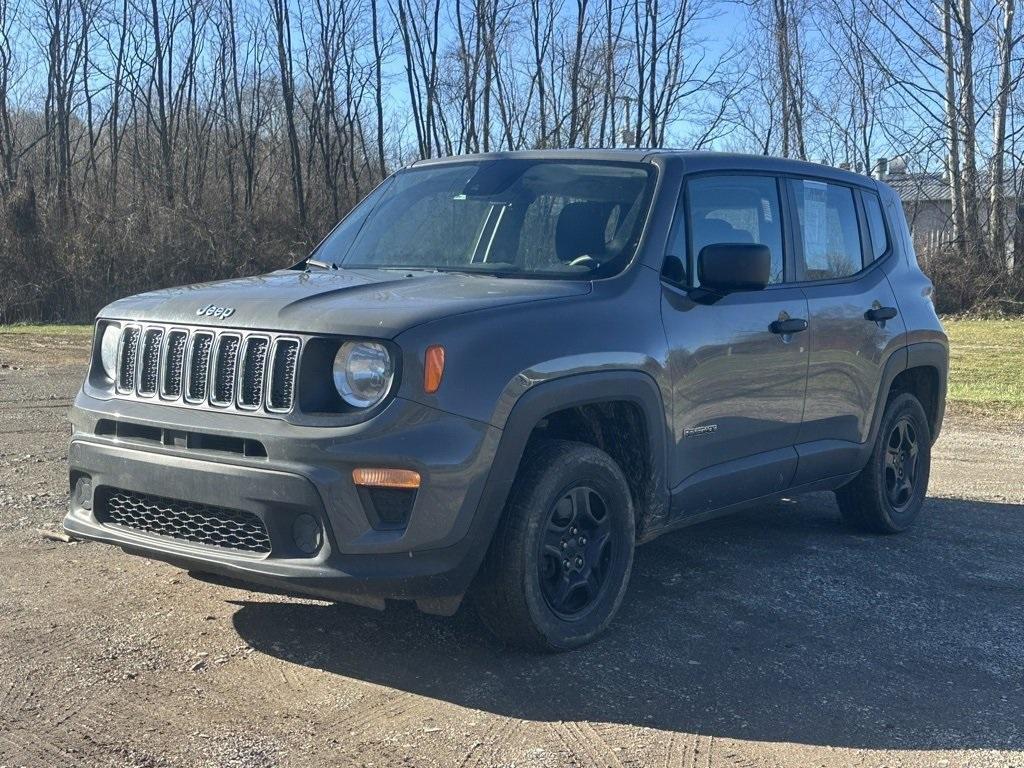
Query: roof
621	155
934	188
919	187
693	161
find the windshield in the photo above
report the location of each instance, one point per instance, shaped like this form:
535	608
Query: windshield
525	218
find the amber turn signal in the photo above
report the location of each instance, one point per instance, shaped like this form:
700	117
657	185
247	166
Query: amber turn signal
433	368
386	478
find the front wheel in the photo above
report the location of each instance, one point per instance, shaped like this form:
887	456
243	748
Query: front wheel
887	496
559	564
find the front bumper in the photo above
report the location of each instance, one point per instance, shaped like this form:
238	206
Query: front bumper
305	470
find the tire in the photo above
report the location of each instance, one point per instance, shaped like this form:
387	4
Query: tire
887	495
559	563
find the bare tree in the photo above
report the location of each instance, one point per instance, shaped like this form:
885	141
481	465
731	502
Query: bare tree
175	140
1007	41
7	132
378	68
968	128
281	16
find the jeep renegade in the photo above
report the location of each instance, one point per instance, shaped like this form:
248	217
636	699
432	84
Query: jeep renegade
500	373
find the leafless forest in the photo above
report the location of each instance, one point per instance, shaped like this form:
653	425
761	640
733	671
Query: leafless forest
153	142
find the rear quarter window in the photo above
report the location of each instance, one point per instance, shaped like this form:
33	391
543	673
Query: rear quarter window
876	225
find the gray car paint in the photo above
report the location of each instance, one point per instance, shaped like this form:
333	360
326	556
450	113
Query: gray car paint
848	353
510	341
730	372
371	303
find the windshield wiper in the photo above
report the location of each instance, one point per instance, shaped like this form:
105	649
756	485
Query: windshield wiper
440	270
311	262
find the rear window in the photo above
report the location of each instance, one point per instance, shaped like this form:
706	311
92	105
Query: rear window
829	230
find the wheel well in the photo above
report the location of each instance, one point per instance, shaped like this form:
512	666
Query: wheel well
619	429
923	383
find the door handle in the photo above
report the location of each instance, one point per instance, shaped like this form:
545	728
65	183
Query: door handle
788	326
880	314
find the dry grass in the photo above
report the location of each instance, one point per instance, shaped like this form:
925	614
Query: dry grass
44	345
986	367
45	330
986	375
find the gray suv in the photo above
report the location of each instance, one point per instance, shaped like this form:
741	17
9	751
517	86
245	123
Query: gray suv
500	373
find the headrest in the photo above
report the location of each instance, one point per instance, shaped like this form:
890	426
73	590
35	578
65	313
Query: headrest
712	231
581	229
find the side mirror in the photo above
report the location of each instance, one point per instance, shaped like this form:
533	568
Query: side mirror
729	267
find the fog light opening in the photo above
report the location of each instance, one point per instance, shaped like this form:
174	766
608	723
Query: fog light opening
307	534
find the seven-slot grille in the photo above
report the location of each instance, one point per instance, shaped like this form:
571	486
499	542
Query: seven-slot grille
222	368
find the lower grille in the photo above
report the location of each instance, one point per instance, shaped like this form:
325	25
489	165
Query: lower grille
184	520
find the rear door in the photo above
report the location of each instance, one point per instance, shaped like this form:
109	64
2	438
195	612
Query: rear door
738	387
841	240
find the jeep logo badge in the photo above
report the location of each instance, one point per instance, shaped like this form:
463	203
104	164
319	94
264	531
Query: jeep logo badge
212	310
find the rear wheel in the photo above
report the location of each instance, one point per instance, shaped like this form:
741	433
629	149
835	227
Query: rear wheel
887	496
559	564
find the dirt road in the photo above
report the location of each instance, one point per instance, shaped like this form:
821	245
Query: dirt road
774	638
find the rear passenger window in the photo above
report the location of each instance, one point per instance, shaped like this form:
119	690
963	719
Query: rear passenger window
876	225
736	209
827	219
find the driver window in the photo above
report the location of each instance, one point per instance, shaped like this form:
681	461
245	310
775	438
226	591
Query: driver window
736	209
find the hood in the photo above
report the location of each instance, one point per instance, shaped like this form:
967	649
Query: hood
373	303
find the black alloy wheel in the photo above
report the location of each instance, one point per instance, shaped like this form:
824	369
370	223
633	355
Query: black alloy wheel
558	566
887	495
576	552
901	454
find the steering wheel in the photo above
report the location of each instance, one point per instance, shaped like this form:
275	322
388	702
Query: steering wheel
585	261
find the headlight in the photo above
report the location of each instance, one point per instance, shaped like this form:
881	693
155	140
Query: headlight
363	372
108	350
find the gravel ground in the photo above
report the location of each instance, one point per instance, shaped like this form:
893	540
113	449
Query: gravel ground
772	638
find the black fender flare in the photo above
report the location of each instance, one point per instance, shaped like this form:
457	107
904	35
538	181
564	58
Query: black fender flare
567	392
932	354
924	354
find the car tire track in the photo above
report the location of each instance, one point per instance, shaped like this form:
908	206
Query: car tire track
580	738
359	721
484	751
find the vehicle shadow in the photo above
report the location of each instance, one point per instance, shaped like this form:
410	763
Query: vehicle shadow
774	625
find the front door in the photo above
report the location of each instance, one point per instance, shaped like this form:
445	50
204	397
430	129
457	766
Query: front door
738	379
